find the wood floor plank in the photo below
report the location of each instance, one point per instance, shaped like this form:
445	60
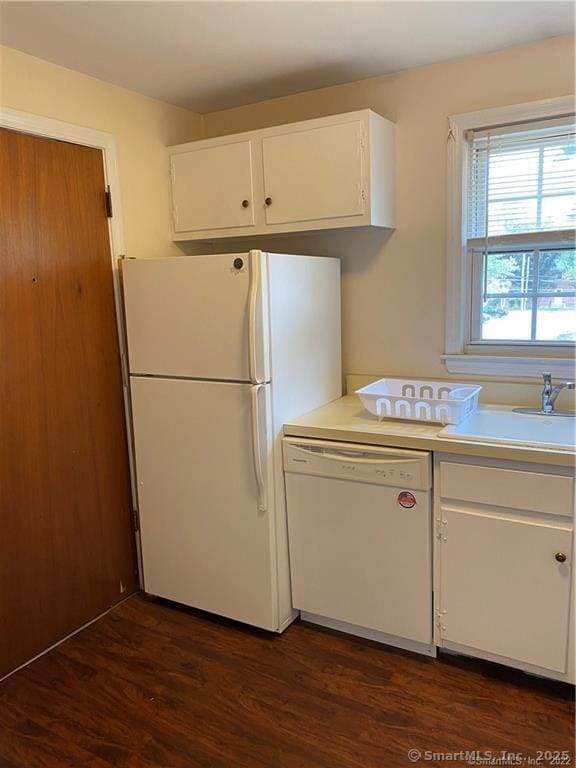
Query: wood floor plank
152	686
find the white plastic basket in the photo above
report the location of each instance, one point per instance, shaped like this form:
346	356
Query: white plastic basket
435	401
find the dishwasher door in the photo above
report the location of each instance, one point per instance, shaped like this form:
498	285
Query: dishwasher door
359	521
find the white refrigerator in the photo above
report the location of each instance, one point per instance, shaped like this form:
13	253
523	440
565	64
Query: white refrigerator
223	349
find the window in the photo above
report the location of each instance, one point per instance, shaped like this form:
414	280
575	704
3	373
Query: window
521	197
511	249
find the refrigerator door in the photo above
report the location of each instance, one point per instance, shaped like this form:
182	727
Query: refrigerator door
200	317
202	462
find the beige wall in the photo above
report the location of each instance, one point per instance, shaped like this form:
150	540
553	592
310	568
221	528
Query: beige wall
393	283
393	286
141	126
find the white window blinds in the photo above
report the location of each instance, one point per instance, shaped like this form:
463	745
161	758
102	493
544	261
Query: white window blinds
522	184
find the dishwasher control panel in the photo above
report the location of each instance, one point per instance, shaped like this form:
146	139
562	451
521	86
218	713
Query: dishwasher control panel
363	463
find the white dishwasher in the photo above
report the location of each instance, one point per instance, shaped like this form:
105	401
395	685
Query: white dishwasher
360	533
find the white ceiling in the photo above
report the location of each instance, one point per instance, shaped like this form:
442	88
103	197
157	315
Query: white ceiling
213	55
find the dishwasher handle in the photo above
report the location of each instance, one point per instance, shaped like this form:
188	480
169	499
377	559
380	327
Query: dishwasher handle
351	456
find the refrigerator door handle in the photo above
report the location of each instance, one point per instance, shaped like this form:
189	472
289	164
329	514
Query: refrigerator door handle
255	318
257	448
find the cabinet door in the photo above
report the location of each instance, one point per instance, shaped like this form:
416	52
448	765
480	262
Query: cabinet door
502	589
314	174
212	187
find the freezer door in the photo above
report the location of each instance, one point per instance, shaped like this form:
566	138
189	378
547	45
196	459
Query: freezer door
206	526
199	317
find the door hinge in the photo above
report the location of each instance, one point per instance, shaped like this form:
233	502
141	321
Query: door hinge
123	370
440	621
135	520
108	199
441	529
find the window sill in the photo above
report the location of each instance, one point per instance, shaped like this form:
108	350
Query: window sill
517	367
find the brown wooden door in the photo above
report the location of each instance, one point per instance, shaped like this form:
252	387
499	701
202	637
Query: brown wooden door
66	539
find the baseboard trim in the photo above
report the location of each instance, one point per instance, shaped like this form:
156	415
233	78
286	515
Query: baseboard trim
426	649
290	620
456	649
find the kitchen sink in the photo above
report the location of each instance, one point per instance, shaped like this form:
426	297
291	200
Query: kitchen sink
504	426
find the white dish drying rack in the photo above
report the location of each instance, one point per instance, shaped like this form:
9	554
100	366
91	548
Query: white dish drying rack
434	401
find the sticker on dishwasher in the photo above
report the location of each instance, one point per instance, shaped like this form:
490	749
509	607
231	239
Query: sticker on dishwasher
406	499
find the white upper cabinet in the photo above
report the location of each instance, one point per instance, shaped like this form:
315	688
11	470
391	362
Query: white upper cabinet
212	187
314	174
327	173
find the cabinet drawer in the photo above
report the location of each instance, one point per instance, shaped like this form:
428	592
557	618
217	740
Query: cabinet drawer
529	491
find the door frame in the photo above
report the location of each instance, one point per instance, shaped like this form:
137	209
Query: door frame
48	128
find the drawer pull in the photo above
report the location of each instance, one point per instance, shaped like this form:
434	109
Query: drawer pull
560	556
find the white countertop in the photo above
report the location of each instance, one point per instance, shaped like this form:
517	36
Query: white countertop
346	420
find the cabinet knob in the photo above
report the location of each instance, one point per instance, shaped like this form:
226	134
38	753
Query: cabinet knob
268	201
560	556
245	203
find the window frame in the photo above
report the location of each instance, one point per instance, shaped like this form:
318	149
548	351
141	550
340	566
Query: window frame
489	357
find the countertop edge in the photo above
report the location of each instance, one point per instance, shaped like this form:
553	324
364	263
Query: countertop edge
436	444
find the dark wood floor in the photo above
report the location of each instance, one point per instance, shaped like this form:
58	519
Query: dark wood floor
150	685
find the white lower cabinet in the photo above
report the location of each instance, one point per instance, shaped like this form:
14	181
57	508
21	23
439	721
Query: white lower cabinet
503	590
504	582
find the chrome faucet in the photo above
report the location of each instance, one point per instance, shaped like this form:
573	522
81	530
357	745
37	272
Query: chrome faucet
550	393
